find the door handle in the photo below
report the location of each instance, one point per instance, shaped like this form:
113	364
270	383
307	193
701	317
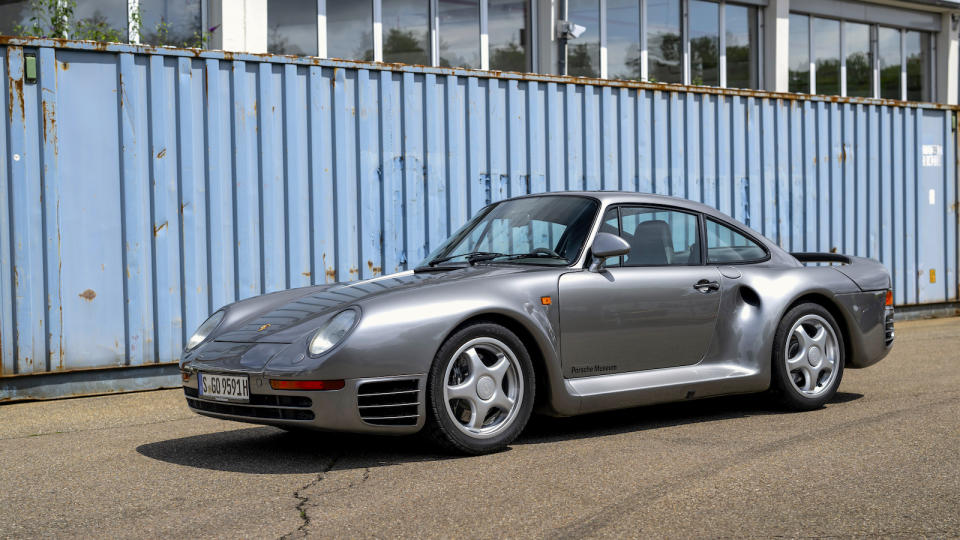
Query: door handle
706	286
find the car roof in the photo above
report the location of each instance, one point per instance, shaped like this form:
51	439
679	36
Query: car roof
633	197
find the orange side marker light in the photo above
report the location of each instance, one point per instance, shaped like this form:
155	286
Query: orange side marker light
889	301
546	300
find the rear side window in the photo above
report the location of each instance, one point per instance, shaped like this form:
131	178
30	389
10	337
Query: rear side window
725	245
657	236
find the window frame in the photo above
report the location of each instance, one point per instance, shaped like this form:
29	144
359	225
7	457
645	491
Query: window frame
874	26
705	252
701	230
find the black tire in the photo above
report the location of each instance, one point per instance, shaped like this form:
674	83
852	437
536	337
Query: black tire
441	428
784	383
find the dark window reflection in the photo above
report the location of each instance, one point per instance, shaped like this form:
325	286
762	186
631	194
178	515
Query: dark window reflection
583	53
859	60
406	31
623	39
664	47
100	20
826	50
292	27
888	52
507	24
172	22
704	43
741	45
15	18
799	71
917	47
350	30
459	33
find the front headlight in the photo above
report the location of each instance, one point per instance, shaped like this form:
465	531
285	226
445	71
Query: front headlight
333	332
204	331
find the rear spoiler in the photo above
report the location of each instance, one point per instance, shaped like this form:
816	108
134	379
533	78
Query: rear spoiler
806	257
868	274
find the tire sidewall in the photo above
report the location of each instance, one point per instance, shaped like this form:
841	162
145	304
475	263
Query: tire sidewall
440	423
781	383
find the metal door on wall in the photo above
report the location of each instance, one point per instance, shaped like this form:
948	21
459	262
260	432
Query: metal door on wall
932	193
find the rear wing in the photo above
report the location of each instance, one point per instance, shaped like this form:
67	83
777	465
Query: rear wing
868	274
807	256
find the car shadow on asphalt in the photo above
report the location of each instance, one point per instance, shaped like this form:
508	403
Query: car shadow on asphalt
268	450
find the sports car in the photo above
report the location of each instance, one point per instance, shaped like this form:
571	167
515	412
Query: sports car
564	304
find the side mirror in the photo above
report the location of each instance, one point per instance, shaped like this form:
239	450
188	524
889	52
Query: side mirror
606	245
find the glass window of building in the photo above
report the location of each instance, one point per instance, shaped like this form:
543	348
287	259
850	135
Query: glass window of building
406	31
350	30
704	43
917	48
741	46
826	52
174	22
888	54
15	18
507	27
799	55
623	39
459	33
664	43
859	61
292	27
100	20
583	53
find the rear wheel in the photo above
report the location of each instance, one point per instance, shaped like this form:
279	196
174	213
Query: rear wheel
808	357
480	390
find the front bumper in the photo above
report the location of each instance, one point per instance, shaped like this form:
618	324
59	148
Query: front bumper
385	405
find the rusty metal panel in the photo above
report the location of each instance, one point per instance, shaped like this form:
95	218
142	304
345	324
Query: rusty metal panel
142	188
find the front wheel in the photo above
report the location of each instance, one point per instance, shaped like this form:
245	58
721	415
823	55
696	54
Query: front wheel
808	357
480	390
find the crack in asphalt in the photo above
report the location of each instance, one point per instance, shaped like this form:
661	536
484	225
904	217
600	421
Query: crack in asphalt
102	428
303	499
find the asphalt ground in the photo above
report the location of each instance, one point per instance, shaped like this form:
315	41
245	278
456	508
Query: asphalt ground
882	459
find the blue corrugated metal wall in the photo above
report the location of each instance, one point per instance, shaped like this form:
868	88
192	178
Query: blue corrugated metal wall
141	189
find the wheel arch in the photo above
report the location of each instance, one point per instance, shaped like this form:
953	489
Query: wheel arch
537	356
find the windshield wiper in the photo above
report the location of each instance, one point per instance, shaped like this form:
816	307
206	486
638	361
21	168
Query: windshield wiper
532	255
471	257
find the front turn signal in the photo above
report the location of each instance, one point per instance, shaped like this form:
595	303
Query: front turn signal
889	301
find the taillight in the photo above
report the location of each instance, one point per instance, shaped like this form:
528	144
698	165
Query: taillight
889	301
336	384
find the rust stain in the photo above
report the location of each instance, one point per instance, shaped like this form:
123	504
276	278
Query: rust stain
88	295
305	274
49	123
843	153
64	66
263	327
354	271
331	274
16	89
157	229
161	153
184	205
376	270
833	249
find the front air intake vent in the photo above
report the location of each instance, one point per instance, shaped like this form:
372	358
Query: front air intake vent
394	402
888	327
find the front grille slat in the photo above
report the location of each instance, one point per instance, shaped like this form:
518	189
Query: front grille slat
394	402
267	406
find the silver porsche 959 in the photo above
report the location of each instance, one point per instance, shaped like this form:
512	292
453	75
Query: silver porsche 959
566	303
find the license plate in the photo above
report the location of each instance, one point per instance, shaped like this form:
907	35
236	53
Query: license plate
224	387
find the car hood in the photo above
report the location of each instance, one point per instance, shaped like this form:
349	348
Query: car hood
293	319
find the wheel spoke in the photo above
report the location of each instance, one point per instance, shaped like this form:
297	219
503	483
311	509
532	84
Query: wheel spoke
466	390
811	379
802	337
820	338
479	411
797	361
476	364
499	369
502	401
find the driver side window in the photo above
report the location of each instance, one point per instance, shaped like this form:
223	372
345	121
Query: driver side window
657	236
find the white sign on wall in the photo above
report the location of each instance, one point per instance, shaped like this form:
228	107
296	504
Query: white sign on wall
932	155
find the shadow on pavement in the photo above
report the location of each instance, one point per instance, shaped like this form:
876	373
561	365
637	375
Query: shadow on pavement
268	450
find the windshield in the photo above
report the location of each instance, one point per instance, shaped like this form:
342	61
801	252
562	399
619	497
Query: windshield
549	229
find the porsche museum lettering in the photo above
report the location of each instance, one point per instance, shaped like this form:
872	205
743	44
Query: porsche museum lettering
596	368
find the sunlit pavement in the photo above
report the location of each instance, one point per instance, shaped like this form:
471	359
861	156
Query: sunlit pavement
882	459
